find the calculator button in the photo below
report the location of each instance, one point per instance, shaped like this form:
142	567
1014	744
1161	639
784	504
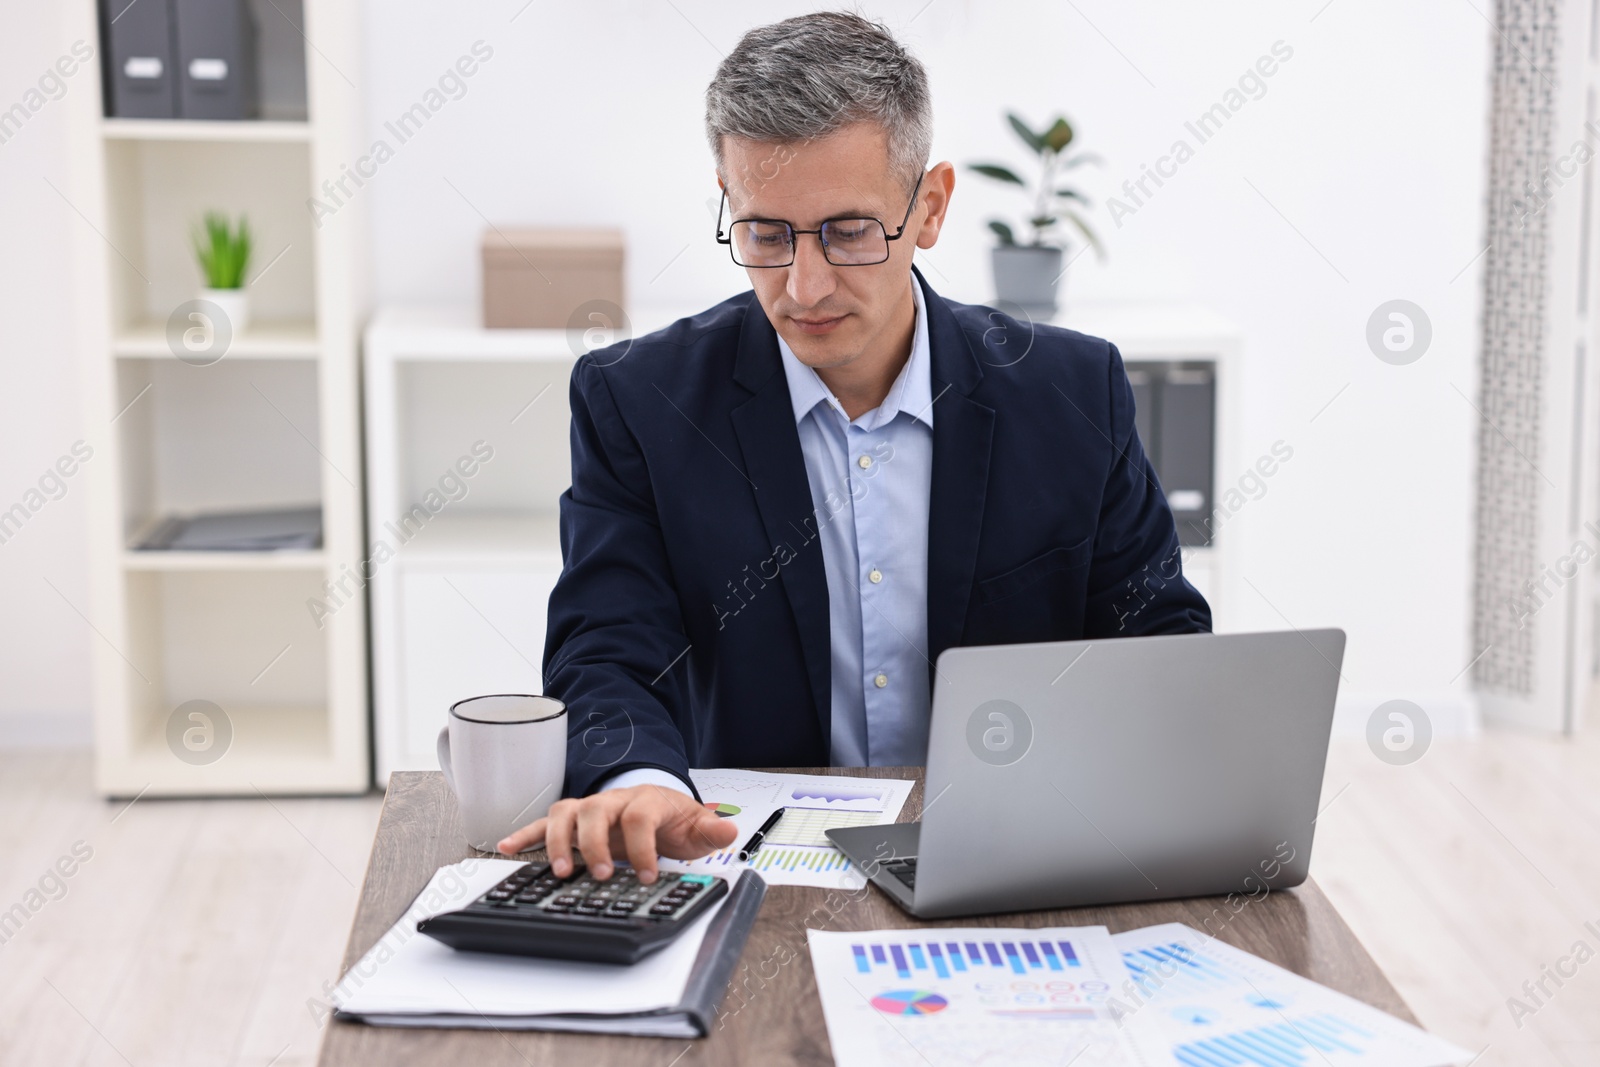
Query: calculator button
690	887
663	909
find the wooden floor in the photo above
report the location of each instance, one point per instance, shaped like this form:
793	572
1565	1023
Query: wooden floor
202	932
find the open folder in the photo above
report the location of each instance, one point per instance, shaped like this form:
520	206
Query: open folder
409	979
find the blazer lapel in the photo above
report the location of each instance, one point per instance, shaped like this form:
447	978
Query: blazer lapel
963	432
770	443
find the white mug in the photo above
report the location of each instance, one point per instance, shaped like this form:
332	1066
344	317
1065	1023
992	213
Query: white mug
505	759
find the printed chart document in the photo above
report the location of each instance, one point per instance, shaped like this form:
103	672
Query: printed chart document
1202	1003
972	997
795	852
409	979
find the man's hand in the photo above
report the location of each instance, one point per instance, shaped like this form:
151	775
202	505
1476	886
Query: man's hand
642	822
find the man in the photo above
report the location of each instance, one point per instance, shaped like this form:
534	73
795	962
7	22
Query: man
784	508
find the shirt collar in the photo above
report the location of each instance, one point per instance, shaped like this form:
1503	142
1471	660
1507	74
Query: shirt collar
912	391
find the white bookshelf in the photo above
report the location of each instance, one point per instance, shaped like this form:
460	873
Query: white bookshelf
275	422
460	609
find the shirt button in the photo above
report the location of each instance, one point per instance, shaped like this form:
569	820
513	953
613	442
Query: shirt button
875	576
864	462
881	680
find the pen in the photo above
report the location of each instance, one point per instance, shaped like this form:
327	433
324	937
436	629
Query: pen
760	835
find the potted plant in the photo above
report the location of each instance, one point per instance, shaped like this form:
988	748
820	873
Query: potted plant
224	254
1029	274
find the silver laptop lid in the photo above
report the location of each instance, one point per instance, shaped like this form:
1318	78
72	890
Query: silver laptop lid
1124	769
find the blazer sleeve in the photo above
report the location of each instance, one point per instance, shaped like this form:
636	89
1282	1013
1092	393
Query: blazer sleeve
615	643
1136	582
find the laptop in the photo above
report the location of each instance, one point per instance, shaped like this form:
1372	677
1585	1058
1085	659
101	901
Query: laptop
1077	773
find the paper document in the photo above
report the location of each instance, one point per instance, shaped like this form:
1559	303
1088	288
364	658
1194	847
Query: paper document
1202	1003
408	978
795	851
972	996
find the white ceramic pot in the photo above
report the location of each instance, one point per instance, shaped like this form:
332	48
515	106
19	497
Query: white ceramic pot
233	303
1027	276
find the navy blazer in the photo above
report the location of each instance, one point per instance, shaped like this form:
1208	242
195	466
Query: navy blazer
690	628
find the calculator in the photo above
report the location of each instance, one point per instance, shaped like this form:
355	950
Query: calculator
533	912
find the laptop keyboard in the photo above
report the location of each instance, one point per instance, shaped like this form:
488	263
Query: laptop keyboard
904	869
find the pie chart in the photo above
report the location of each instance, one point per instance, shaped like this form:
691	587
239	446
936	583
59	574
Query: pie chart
909	1002
724	810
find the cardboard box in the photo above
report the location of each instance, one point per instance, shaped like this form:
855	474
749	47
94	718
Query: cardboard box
540	278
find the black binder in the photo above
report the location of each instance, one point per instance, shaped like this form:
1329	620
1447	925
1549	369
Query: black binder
216	54
140	75
1187	414
1144	406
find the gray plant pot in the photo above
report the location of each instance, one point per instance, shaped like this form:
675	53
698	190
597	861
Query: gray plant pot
1028	277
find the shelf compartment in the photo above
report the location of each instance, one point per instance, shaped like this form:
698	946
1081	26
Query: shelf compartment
233	436
246	643
159	189
519	410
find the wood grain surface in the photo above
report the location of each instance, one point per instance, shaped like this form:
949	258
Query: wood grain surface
771	1013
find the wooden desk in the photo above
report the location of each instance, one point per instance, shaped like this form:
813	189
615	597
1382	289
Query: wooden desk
771	1013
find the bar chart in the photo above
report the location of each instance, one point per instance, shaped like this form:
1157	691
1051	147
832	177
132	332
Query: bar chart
947	958
776	858
1309	1039
1174	967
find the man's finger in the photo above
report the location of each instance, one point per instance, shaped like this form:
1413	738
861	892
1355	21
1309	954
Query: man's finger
558	836
523	839
638	822
594	836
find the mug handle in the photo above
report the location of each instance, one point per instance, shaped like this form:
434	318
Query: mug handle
443	748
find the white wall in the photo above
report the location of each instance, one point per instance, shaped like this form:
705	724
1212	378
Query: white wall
1369	141
44	642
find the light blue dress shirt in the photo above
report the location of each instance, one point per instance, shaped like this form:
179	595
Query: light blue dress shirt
870	481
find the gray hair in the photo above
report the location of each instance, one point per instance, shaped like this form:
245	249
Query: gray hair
810	76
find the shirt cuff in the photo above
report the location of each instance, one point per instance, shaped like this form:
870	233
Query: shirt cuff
646	776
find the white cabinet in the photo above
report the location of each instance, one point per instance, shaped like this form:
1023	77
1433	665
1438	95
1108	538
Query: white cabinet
467	458
1178	333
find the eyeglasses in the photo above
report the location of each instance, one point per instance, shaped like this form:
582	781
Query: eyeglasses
849	242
